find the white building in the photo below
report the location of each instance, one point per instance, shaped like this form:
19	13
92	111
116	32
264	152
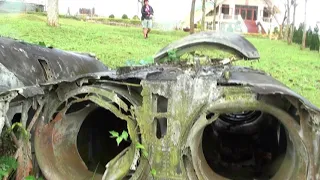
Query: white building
240	15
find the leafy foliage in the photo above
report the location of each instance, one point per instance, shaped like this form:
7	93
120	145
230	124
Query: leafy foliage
312	39
119	138
153	172
7	164
32	178
111	16
143	150
124	16
172	55
20	129
136	17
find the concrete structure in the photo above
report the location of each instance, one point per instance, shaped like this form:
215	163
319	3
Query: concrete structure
251	16
22	5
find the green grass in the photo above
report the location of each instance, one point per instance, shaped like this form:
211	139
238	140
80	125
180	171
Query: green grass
113	45
300	70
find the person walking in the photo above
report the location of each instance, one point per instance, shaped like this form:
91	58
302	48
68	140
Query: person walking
147	13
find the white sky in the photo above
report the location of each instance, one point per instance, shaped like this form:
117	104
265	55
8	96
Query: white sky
166	10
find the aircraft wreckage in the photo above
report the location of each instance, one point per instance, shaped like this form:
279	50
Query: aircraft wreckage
213	121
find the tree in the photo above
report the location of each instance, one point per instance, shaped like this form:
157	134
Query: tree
193	4
272	10
283	21
124	16
203	19
288	20
315	38
214	14
303	44
53	13
298	33
294	3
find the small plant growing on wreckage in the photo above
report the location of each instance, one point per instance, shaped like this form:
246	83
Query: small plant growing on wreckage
124	136
32	178
119	138
20	129
7	165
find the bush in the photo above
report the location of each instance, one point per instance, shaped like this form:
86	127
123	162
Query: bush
111	16
135	17
312	39
309	37
199	25
314	44
297	34
276	30
124	16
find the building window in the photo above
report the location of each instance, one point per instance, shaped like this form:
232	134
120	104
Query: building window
248	13
237	12
243	14
225	9
266	12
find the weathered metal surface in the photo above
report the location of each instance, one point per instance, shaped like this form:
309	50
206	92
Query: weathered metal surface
24	66
167	108
225	41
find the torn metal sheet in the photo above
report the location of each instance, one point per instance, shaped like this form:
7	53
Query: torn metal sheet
182	121
26	65
219	40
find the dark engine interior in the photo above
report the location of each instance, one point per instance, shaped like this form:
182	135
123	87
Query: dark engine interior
246	145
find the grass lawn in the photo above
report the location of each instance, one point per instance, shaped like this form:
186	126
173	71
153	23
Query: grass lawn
300	70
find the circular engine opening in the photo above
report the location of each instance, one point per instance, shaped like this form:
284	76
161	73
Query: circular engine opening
94	143
245	145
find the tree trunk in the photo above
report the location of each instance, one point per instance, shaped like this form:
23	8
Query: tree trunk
53	13
288	21
203	19
303	44
214	15
270	29
282	24
293	22
192	16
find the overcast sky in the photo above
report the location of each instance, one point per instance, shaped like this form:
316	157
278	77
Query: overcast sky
167	10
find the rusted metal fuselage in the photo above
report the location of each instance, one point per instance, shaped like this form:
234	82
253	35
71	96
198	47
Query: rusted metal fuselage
184	121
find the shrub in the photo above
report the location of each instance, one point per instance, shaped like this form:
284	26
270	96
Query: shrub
312	39
314	44
276	30
135	17
111	16
297	35
125	16
309	37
